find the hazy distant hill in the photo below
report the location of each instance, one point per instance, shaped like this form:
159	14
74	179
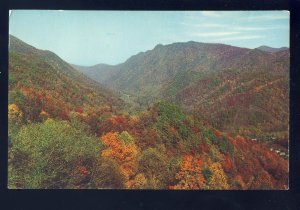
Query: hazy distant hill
40	77
271	49
99	72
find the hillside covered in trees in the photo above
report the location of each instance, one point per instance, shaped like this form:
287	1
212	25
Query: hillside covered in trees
237	90
68	131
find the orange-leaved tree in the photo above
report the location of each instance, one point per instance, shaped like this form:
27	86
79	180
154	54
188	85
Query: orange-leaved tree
121	147
190	175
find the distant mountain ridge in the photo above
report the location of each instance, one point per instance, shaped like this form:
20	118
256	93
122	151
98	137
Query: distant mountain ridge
193	56
156	69
272	49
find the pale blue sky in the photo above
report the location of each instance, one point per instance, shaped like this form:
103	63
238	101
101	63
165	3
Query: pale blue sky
111	37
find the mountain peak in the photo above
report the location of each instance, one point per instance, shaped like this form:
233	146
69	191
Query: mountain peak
158	46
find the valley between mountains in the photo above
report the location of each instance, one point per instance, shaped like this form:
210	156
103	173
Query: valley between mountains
180	116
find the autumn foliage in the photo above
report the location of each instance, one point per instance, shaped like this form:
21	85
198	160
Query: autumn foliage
190	175
121	147
158	150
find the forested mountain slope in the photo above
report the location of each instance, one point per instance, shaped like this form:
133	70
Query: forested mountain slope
161	65
40	79
239	90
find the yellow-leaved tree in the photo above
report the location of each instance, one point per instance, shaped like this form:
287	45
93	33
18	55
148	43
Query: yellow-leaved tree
218	180
15	115
15	119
